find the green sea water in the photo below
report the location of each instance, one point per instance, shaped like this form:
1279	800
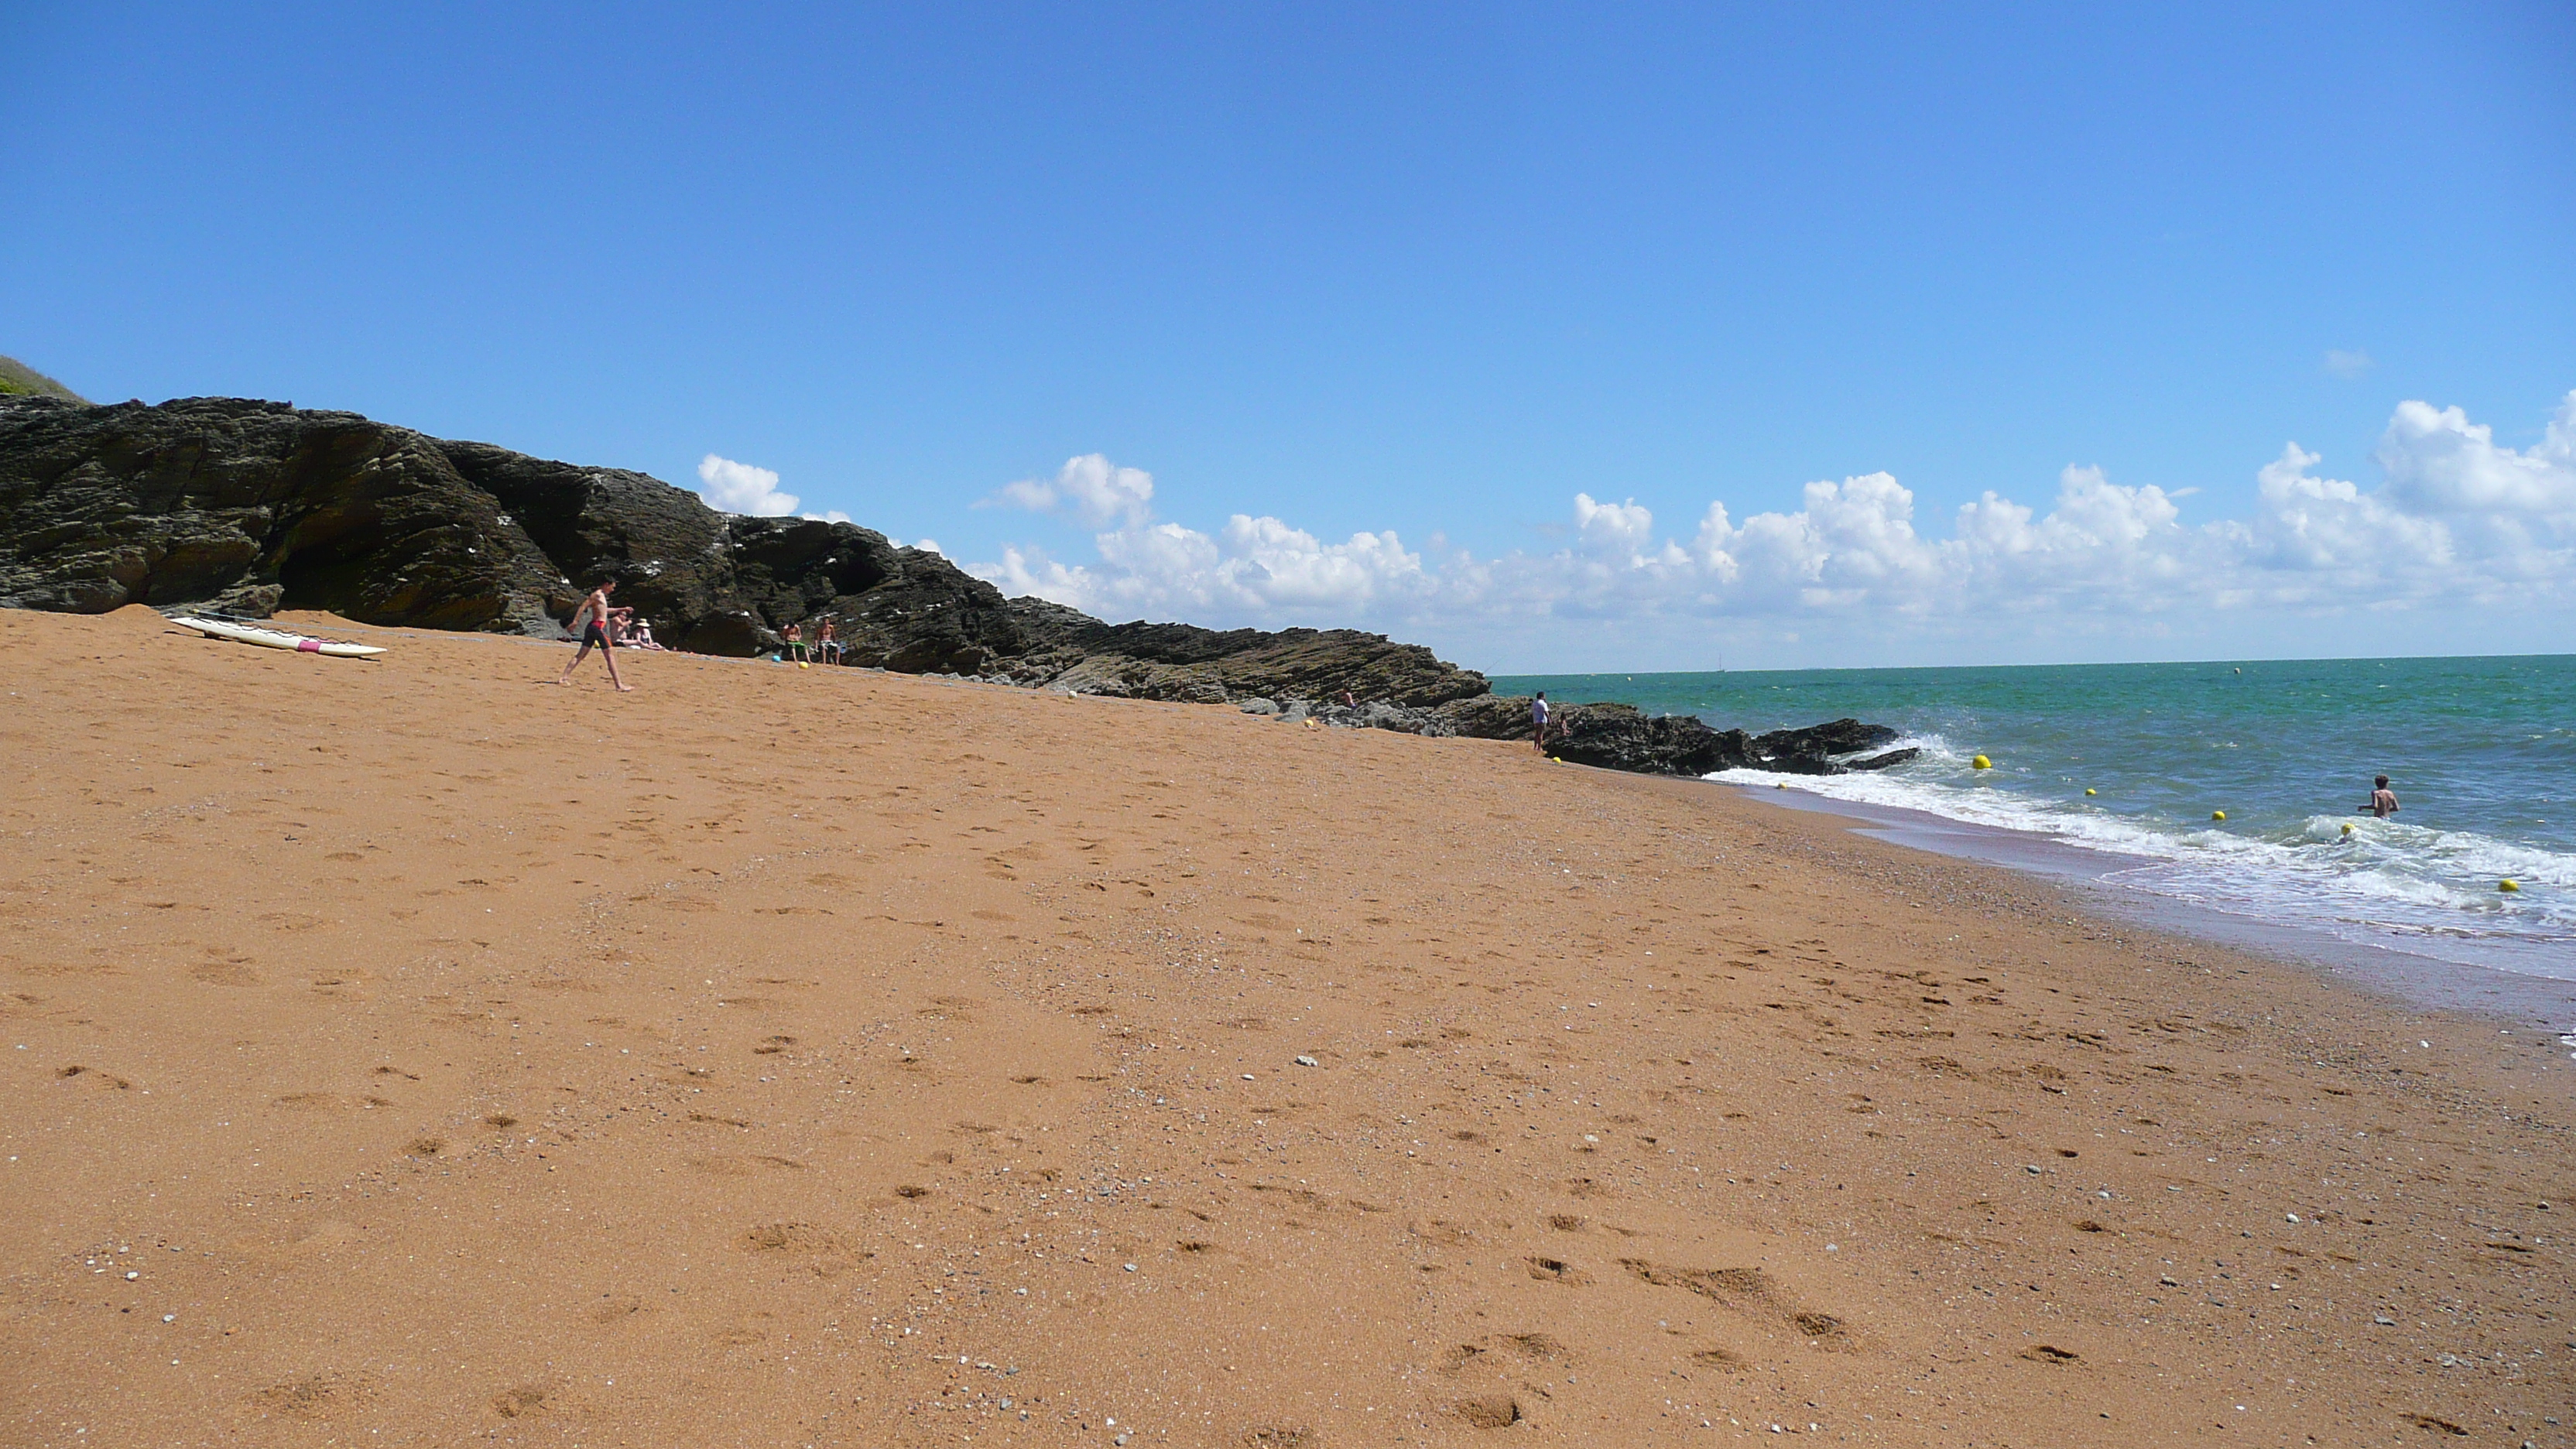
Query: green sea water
2481	753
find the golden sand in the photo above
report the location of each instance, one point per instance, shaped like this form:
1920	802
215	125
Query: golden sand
416	1052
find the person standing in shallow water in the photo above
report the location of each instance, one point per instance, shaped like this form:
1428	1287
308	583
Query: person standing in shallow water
591	624
1538	722
2383	801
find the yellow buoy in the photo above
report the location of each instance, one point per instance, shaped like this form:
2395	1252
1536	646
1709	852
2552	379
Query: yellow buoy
2089	790
1982	763
2347	830
1783	785
2217	814
2508	885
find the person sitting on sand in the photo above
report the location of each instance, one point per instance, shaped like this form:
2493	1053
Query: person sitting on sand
1538	721
795	643
2383	801
828	647
591	623
644	634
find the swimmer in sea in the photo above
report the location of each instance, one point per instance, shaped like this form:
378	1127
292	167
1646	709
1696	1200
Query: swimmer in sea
2383	801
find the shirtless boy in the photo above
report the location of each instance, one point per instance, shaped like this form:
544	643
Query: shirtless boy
2383	801
592	623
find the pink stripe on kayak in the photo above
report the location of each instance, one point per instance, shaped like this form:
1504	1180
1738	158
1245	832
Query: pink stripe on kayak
308	646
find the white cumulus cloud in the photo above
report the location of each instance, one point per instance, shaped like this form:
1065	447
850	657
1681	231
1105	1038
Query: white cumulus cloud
1089	489
2440	462
741	488
2459	520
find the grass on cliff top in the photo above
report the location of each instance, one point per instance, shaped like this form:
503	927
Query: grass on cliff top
18	377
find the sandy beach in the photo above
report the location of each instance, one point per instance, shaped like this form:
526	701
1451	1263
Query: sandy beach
416	1052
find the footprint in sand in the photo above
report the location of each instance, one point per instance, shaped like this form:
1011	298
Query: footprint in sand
1557	1270
1743	1290
1491	1411
313	1396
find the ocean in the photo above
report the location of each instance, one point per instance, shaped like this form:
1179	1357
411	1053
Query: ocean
2481	753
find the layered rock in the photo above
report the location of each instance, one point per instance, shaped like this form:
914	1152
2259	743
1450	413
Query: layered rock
247	505
1621	737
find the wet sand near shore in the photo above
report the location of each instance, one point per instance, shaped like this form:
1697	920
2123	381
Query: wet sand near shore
417	1052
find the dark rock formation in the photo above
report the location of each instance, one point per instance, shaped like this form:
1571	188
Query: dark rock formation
1881	762
245	505
1840	737
1619	737
1183	662
1815	749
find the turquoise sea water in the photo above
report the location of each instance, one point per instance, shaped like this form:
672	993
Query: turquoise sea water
2481	752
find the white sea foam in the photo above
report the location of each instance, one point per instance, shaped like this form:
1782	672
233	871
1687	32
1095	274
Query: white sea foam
2431	890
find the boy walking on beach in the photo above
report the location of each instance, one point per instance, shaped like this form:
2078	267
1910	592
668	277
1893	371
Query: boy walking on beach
1538	721
592	623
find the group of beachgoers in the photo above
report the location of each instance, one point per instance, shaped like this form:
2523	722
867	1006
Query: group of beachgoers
825	648
599	624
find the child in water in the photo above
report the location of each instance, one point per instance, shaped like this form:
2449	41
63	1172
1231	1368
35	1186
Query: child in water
2383	801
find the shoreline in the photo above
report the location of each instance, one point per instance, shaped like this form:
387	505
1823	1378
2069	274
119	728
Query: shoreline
2090	876
416	1051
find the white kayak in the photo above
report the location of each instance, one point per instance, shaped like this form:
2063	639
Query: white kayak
276	638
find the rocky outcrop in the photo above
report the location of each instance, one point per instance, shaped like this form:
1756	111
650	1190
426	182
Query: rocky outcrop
248	505
1183	662
1620	737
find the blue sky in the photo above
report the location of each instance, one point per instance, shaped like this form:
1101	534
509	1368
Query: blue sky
1396	285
